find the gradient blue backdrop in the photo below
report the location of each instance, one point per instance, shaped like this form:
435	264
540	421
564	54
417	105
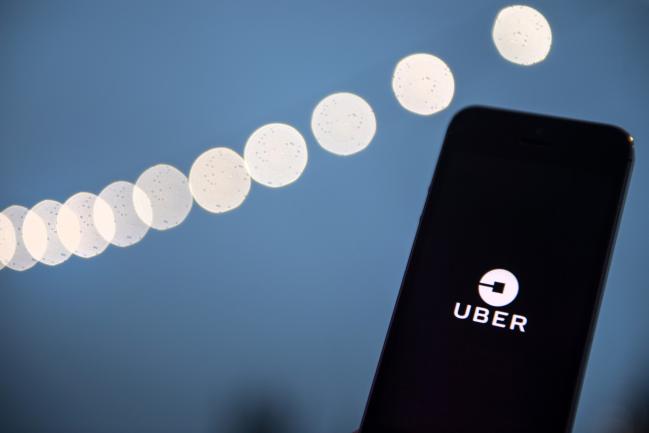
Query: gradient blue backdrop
270	317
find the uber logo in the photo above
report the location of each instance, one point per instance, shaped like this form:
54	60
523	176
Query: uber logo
497	288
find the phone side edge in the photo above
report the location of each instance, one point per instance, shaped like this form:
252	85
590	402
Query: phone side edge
456	118
602	283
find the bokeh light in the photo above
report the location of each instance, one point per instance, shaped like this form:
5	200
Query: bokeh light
129	228
218	180
423	84
68	228
93	214
343	123
276	155
40	234
35	236
169	197
522	35
7	240
21	260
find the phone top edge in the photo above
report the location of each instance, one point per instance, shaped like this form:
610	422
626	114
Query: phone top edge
486	117
491	108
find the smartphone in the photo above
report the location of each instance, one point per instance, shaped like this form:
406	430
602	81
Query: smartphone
496	311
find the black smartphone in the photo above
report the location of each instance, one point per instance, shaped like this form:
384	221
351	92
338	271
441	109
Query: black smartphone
497	307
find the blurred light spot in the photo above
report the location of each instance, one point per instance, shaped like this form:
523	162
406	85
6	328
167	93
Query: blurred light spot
276	155
21	259
89	209
169	195
7	240
40	233
68	228
423	84
218	180
142	206
343	123
127	228
522	35
35	235
35	230
104	219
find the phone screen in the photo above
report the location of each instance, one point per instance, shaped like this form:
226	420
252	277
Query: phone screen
494	316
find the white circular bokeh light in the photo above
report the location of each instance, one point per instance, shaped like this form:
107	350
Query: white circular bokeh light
7	240
96	225
218	180
423	84
21	260
169	196
129	229
522	35
35	236
343	123
276	155
41	232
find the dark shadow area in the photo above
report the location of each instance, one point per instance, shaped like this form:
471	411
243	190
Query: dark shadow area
634	416
260	412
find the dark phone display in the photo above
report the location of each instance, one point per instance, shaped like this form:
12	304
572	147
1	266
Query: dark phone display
453	362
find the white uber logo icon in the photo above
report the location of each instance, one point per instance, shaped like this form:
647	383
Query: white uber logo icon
497	288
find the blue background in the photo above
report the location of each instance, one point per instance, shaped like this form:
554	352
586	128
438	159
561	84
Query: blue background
270	317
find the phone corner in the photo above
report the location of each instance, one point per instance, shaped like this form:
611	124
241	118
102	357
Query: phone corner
466	115
625	138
